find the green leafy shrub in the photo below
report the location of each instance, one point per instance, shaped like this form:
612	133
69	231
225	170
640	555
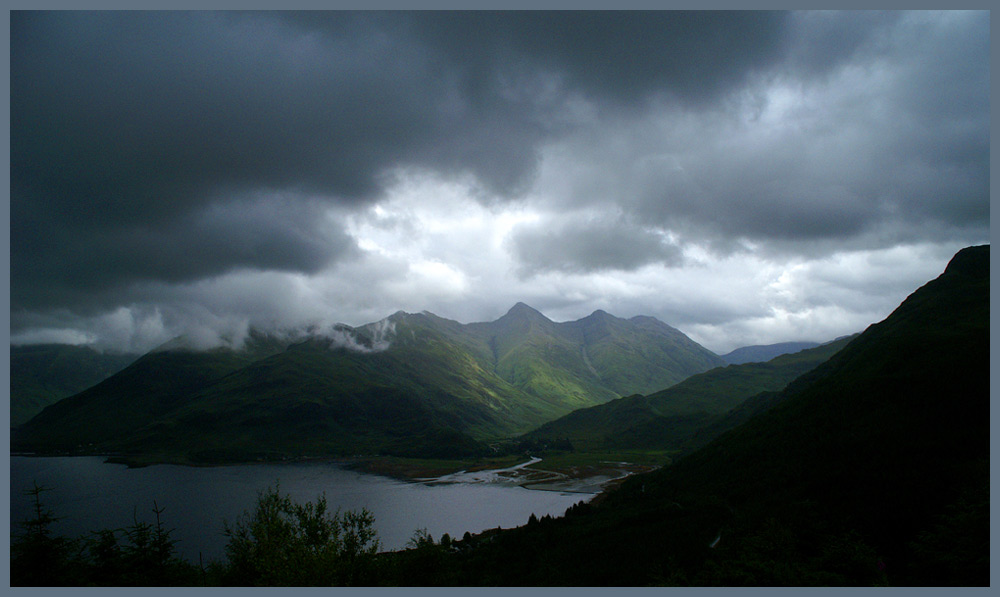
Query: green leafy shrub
283	543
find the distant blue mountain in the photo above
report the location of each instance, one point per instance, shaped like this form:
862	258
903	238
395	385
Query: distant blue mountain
764	353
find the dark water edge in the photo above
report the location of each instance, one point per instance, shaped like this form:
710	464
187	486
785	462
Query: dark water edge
88	494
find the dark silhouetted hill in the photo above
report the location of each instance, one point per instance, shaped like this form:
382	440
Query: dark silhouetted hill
871	469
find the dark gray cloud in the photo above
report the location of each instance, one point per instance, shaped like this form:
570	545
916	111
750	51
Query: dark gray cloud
624	56
590	245
126	126
620	56
164	157
884	141
820	41
91	268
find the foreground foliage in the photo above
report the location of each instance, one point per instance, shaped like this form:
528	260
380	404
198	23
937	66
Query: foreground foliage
141	554
283	543
277	543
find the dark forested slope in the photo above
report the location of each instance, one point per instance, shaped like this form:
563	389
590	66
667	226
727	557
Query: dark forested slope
871	469
43	374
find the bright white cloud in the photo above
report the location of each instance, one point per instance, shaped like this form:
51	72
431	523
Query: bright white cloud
53	336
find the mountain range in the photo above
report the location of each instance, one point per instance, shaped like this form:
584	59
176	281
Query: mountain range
685	415
411	384
871	469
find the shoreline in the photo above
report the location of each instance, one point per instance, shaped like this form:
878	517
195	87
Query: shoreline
590	480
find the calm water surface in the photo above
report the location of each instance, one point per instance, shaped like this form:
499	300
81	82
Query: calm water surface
89	495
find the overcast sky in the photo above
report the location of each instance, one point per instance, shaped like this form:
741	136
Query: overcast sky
748	178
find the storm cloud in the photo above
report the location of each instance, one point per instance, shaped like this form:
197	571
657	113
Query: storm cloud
590	244
216	170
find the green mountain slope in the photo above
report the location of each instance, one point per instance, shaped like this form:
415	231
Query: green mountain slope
676	418
310	400
154	385
407	385
873	468
43	374
534	355
614	346
593	359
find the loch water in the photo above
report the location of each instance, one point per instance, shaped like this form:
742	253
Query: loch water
88	494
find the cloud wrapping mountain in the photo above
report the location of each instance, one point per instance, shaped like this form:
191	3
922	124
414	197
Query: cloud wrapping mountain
374	337
408	385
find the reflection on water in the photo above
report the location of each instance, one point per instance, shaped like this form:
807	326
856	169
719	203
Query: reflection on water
88	495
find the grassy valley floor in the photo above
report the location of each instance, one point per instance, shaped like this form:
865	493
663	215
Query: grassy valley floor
590	472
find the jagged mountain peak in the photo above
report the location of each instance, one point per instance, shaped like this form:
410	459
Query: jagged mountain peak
524	311
598	320
651	322
644	318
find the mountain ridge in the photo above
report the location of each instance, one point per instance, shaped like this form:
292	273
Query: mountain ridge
466	382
